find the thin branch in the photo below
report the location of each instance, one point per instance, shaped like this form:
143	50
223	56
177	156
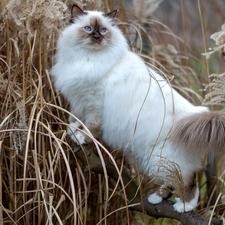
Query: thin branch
161	210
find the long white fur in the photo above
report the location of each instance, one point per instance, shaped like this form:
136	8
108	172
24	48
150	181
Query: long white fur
112	87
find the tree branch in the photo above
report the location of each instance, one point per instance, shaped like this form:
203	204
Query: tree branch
161	210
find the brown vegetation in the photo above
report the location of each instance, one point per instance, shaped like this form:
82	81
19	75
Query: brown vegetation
42	181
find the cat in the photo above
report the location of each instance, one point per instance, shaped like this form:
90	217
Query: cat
129	106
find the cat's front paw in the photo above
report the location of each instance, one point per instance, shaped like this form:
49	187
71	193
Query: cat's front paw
181	207
154	199
77	136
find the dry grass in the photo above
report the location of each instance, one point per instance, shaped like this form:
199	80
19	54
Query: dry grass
41	180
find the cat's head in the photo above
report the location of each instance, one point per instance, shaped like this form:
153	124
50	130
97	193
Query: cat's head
93	29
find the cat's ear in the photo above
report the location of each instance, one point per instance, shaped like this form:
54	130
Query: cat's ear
75	12
111	14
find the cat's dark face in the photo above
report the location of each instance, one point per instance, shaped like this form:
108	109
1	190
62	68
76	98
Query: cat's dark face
93	29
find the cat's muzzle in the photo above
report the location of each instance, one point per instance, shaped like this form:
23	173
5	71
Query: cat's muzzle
96	37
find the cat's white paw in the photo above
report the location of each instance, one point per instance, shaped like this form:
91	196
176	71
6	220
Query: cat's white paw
79	139
71	129
77	136
181	207
154	198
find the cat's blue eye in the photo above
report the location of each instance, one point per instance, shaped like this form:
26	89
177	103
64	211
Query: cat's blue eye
87	28
103	30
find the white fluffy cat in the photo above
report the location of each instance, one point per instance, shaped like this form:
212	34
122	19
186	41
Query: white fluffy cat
121	101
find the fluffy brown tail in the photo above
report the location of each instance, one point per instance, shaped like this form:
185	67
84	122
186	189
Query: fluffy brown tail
201	132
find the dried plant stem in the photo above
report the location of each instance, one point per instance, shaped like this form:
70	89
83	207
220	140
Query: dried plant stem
15	185
105	207
204	41
44	56
214	207
11	166
69	173
141	194
185	45
6	211
85	194
112	6
107	5
8	43
40	137
121	15
206	15
100	197
23	65
79	202
53	47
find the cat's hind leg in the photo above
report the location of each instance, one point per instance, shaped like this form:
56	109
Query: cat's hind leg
191	197
80	137
160	195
